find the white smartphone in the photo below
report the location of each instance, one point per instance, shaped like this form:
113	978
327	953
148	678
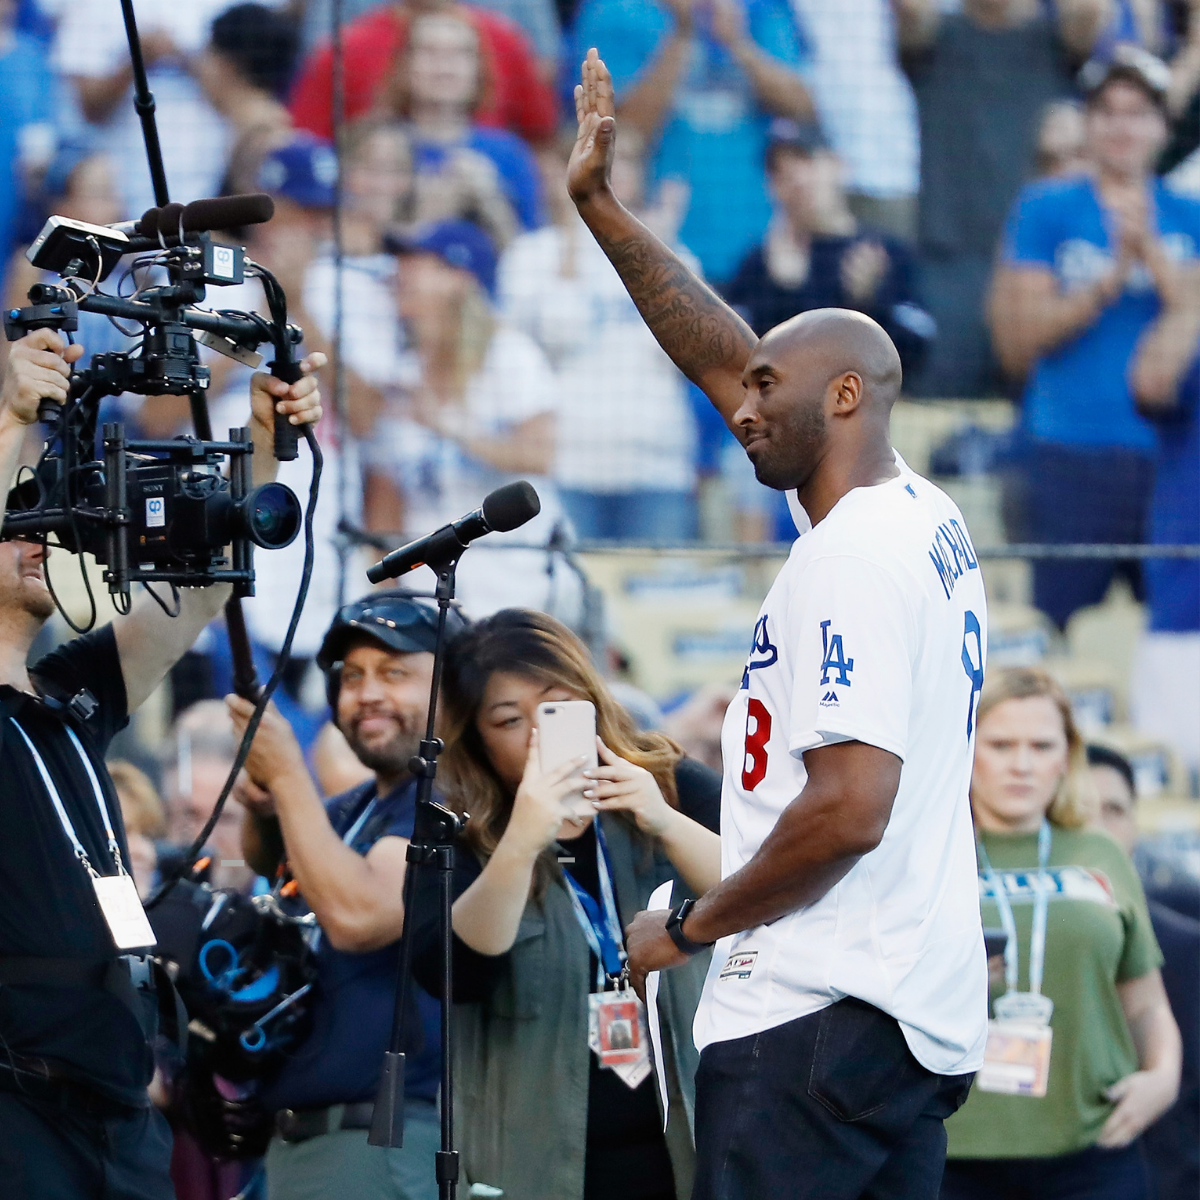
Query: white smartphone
567	730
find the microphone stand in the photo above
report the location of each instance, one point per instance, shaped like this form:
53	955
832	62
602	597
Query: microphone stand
432	845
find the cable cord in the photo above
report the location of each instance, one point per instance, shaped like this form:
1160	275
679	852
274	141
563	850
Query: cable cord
194	850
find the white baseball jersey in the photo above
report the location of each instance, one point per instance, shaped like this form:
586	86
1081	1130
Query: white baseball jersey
874	631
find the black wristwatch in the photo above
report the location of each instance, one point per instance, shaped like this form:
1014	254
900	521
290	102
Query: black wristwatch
675	929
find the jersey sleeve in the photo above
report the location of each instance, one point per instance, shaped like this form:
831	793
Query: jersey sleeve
854	640
1030	237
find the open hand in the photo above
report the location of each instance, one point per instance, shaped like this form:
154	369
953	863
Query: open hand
300	402
39	368
619	786
589	172
1141	1099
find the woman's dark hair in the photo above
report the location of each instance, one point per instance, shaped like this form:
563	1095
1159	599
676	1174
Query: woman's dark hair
523	642
1106	756
262	43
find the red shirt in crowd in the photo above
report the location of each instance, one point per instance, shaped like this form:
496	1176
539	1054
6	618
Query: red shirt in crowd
517	99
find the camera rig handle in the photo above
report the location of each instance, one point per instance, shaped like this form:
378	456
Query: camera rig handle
287	435
53	307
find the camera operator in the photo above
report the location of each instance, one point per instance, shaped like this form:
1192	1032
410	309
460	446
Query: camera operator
75	1117
348	858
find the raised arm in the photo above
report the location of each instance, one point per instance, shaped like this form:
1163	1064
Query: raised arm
358	899
148	641
39	367
1080	23
703	336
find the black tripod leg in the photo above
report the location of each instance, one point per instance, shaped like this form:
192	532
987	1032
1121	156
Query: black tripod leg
387	1121
447	1159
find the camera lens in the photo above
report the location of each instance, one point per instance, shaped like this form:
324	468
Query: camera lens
272	516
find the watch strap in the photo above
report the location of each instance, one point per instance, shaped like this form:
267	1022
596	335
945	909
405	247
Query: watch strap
675	929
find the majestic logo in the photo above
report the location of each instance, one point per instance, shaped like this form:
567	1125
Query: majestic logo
829	698
834	658
762	652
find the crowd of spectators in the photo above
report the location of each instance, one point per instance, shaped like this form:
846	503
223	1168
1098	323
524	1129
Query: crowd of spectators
1002	184
986	178
803	152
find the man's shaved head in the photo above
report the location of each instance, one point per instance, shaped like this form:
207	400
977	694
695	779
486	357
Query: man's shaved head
822	378
837	340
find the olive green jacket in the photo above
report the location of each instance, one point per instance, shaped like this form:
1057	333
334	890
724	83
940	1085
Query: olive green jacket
521	1056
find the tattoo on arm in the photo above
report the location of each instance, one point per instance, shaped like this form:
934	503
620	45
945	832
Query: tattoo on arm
697	329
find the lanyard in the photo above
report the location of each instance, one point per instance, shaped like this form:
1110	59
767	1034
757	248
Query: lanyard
348	838
1041	907
69	829
603	931
355	829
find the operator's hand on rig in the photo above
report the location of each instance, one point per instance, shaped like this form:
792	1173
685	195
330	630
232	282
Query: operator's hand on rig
300	402
39	368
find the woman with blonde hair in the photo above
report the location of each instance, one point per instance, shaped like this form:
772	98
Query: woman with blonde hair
542	895
1083	1053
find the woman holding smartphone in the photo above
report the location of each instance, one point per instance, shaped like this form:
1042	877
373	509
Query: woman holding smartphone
551	867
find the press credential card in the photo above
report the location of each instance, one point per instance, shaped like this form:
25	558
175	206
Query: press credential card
122	909
1016	1061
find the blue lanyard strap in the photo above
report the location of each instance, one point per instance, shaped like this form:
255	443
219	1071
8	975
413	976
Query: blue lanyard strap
601	929
1041	909
355	829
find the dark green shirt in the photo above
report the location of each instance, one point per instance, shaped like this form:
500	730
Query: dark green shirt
1098	934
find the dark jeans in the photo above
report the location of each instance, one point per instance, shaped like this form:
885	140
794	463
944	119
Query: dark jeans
1091	1174
1080	494
48	1152
831	1106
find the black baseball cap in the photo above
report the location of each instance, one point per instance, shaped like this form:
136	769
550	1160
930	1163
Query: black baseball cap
1132	64
401	621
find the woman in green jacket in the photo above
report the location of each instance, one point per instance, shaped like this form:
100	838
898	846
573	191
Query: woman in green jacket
540	902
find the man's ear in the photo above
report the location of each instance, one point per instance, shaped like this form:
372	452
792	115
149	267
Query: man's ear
846	393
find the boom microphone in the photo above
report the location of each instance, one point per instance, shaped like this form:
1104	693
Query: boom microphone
506	508
217	212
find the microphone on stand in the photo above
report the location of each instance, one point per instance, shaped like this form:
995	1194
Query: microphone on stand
200	216
506	508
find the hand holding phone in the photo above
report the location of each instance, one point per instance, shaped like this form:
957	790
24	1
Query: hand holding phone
567	731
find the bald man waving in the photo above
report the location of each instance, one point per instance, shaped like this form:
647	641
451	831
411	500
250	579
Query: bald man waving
845	1011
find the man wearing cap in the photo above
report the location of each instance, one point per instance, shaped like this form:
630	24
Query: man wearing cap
348	857
815	255
1087	263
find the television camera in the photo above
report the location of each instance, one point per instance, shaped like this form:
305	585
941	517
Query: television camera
156	510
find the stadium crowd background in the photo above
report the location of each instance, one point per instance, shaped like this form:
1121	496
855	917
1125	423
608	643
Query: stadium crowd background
924	161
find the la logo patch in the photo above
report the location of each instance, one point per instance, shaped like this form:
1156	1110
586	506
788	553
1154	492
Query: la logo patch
763	652
834	659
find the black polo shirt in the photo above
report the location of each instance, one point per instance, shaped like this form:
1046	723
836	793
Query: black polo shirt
48	908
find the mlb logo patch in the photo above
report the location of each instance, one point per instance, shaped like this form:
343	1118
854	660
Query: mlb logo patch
739	965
